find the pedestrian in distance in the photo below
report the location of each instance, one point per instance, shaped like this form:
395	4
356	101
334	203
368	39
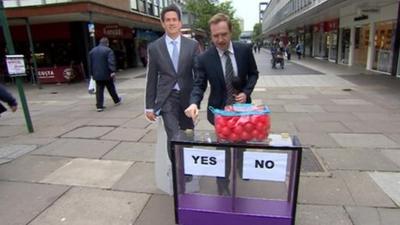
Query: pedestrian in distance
6	97
169	78
231	70
102	68
288	51
299	50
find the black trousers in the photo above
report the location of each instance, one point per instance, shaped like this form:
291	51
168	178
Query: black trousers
109	84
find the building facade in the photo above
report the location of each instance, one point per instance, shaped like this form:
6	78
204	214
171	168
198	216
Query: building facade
362	33
64	31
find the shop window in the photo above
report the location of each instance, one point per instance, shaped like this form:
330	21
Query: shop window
142	6
150	8
383	41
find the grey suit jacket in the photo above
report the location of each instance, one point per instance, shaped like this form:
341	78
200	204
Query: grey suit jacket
161	75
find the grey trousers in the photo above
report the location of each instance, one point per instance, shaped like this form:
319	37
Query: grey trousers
174	118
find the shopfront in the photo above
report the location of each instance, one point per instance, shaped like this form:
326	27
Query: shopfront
373	30
384	45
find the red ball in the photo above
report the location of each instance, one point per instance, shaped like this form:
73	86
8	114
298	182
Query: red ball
232	122
238	130
245	136
234	137
220	120
248	126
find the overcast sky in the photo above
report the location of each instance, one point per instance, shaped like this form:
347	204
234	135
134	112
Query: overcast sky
248	10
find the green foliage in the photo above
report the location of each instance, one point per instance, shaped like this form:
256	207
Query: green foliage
203	10
257	33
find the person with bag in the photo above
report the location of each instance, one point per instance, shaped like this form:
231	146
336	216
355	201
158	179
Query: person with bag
102	67
232	72
6	97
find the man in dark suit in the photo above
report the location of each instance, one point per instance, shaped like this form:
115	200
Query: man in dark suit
6	97
170	75
232	72
102	68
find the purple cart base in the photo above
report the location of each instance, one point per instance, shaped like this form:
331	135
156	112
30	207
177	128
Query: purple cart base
216	210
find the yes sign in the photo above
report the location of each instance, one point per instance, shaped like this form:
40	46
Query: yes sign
202	162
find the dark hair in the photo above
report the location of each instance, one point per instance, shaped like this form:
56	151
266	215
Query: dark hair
171	8
104	41
220	17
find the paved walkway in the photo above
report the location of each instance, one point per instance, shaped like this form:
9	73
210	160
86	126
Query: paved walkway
81	167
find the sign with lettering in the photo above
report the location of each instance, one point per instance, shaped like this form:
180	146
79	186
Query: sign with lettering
204	162
15	65
265	166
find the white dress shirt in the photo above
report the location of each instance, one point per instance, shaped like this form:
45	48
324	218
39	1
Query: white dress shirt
232	56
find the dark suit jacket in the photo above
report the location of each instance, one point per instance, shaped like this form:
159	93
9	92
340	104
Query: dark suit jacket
209	69
102	62
161	75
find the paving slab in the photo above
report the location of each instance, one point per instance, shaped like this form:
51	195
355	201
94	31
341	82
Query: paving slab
364	140
321	215
332	117
357	126
364	190
81	206
303	108
125	134
38	166
88	132
317	140
139	122
362	159
139	178
352	108
117	113
11	151
71	147
27	140
373	216
107	122
150	136
10	131
390	184
132	151
89	173
321	127
393	155
324	190
371	116
283	127
291	117
351	101
160	205
21	202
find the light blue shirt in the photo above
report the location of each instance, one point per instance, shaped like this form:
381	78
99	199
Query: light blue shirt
170	47
232	56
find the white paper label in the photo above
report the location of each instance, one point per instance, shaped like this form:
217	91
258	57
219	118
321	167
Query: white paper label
204	162
265	166
15	64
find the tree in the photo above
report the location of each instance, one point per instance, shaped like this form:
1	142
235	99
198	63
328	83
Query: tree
203	10
257	33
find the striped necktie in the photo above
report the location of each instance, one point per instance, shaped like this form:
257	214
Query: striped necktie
229	76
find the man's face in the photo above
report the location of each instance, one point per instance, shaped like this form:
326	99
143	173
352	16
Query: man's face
221	35
171	24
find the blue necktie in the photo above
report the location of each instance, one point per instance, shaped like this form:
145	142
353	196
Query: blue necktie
175	55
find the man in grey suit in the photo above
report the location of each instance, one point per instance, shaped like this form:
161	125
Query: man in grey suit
170	75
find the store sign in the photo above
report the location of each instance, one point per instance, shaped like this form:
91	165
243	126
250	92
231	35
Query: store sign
15	65
265	166
204	162
112	30
362	17
60	74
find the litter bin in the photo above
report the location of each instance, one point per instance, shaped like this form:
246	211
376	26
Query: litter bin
249	183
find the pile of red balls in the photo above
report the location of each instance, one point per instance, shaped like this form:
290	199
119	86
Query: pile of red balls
243	127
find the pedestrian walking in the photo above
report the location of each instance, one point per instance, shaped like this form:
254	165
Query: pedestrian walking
102	68
6	97
299	50
170	75
143	53
288	51
231	70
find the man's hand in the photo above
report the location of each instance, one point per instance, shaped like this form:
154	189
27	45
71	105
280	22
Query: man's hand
151	116
112	75
192	112
241	97
14	108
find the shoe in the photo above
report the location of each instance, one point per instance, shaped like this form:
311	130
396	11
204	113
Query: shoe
100	109
119	102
